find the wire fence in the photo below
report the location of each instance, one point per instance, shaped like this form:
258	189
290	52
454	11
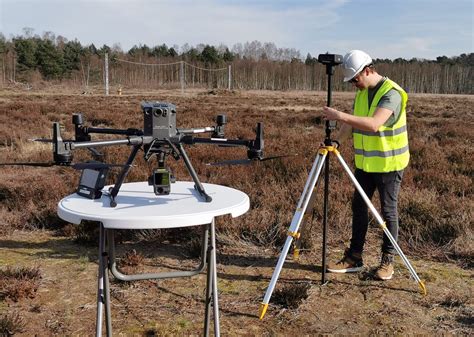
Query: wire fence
245	74
122	73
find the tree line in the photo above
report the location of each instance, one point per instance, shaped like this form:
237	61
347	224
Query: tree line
30	59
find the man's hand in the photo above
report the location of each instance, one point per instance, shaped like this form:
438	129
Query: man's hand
331	114
372	123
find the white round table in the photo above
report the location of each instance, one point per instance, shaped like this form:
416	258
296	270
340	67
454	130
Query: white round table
139	208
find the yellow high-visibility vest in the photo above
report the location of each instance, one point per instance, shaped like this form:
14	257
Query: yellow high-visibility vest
386	149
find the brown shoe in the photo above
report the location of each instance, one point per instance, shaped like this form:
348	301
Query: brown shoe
385	270
350	263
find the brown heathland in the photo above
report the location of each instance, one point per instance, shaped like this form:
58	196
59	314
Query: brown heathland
435	208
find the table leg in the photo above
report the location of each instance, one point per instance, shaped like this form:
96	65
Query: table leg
100	285
106	260
207	314
213	268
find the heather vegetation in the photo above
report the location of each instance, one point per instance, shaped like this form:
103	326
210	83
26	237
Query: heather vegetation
42	257
436	199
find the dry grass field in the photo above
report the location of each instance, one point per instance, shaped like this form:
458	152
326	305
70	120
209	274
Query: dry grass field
48	267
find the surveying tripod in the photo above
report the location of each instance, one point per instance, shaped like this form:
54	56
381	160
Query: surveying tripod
330	61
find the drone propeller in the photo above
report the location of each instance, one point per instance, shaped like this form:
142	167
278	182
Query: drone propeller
247	161
30	164
95	165
47	140
76	166
232	162
41	140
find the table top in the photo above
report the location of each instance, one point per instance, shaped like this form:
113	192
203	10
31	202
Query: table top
139	208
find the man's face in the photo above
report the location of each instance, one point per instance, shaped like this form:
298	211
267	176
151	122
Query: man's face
360	81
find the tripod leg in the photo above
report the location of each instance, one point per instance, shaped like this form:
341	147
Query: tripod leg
381	223
295	223
100	287
304	229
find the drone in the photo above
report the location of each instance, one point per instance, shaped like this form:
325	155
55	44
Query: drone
159	138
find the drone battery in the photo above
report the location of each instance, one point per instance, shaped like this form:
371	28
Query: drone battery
91	183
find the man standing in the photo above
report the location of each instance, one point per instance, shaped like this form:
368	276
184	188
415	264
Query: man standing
379	130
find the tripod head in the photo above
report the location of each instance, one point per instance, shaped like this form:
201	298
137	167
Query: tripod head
331	61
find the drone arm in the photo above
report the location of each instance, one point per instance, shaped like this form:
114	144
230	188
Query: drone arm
255	146
217	131
62	150
217	141
193	131
129	141
127	132
82	132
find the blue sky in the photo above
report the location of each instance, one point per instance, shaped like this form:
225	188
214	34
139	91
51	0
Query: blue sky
385	29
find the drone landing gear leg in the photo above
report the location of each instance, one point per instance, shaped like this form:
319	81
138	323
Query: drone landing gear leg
114	190
198	186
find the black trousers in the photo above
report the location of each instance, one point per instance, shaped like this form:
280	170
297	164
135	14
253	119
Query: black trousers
388	186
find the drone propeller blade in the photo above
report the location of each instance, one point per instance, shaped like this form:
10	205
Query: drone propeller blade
248	161
30	164
77	166
94	166
280	156
231	162
42	140
46	140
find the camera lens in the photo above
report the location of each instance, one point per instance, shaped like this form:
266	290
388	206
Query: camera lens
157	112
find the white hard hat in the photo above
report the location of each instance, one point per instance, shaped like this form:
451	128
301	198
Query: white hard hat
354	61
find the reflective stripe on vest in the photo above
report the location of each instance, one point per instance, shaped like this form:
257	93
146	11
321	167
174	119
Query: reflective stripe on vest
385	133
389	153
386	149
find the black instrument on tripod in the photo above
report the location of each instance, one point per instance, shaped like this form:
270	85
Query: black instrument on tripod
330	61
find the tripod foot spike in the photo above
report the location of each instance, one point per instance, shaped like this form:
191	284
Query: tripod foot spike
422	287
263	310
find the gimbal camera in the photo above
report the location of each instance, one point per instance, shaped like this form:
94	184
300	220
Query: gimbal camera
159	137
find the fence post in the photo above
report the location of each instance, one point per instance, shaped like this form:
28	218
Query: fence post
230	75
181	75
106	67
